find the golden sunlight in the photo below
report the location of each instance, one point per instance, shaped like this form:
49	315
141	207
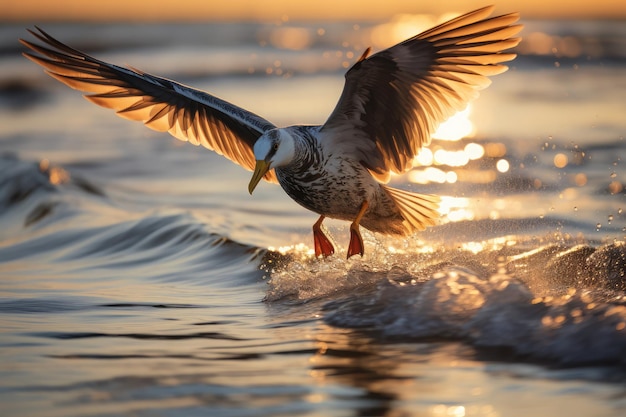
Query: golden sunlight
457	127
456	208
539	43
293	38
399	28
432	175
502	165
560	160
349	10
474	151
451	158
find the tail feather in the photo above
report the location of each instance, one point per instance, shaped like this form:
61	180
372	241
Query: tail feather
418	210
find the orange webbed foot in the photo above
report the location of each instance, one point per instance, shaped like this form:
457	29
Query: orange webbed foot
356	242
323	246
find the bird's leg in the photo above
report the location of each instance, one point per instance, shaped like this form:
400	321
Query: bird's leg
356	242
321	242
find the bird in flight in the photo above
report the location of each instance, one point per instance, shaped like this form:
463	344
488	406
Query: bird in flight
391	103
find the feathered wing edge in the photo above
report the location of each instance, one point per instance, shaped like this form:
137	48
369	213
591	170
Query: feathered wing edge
394	100
187	114
418	210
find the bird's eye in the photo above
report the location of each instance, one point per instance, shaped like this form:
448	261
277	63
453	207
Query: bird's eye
275	147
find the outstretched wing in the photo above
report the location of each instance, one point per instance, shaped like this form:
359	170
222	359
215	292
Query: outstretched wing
188	114
394	100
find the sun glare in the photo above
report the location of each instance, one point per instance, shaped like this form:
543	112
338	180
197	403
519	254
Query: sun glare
457	127
456	208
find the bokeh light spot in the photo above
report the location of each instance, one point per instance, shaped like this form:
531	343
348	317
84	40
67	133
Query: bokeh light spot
560	160
502	165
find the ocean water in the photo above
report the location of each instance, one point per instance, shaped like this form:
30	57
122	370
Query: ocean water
138	277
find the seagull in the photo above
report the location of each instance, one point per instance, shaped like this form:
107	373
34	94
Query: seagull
391	103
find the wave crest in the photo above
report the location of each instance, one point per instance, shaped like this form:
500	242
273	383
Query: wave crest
561	303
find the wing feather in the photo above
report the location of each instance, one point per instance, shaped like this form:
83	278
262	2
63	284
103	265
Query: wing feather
394	100
163	105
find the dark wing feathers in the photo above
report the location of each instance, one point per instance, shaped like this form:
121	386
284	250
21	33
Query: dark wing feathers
186	113
394	100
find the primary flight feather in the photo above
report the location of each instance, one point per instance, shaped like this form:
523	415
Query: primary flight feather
391	103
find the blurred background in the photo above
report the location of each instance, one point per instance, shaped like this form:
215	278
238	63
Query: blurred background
265	10
138	277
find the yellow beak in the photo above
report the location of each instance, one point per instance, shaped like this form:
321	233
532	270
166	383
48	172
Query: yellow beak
260	170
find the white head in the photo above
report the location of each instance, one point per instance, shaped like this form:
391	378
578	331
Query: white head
274	149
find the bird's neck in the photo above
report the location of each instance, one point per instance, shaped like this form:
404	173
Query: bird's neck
307	153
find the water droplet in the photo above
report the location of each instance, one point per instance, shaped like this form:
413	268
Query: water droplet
598	226
613	175
610	218
575	208
619	210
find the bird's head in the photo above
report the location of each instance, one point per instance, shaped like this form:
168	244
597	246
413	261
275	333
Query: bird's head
273	149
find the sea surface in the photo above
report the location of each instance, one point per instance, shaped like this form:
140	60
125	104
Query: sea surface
139	278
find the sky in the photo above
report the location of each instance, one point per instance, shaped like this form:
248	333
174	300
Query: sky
207	10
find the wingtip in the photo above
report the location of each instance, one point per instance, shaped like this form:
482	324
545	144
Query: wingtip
365	54
488	8
26	54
